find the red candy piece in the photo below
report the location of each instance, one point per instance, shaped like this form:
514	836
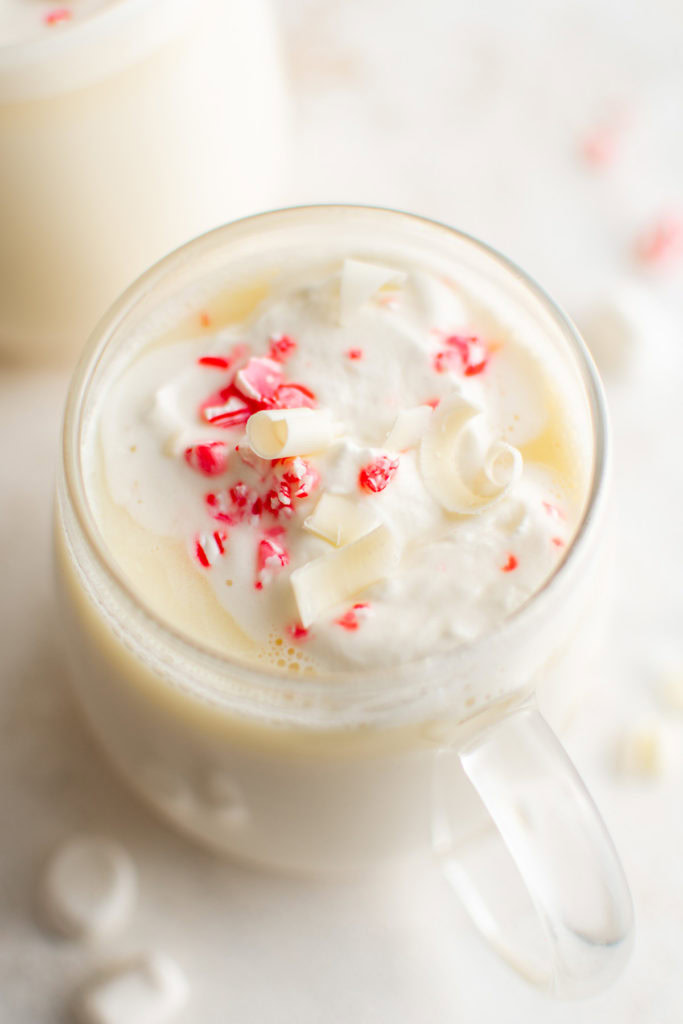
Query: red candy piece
558	542
217	505
294	396
301	477
259	379
553	510
219	362
271	557
296	631
662	242
226	409
350	619
281	347
376	475
210	459
57	15
355	353
236	355
279	501
465	353
209	547
511	564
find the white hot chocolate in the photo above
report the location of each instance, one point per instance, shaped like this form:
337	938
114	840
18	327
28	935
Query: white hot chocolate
366	469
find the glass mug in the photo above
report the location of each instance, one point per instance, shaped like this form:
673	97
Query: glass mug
354	767
123	135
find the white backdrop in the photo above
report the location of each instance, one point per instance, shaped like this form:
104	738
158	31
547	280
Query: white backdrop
473	114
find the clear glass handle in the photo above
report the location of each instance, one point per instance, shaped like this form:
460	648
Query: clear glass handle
552	898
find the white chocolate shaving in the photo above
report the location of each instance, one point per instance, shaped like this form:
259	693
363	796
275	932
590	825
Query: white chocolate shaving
149	990
278	433
359	282
462	474
330	580
340	520
408	429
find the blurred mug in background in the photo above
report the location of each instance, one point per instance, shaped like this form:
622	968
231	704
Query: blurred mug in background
126	128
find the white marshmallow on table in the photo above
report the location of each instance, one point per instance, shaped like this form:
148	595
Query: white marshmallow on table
627	321
148	990
89	887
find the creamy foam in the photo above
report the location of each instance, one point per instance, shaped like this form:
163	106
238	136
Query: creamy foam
212	548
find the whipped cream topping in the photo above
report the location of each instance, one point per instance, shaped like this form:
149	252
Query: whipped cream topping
357	470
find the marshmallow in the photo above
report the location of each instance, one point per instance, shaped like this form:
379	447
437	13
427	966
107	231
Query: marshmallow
340	520
330	580
359	282
89	887
460	469
148	990
278	433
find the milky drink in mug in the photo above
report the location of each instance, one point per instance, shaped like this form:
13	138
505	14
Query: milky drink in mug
324	514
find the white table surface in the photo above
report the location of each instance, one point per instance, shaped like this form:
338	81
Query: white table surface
470	113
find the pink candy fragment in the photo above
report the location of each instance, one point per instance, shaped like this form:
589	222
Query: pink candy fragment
210	459
259	379
294	396
662	242
467	354
57	15
376	475
209	547
281	347
225	410
271	557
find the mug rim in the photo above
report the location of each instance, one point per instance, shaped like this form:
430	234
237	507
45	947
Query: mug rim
373	680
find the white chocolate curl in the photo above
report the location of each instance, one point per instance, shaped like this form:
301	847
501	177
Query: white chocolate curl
328	581
455	470
278	433
359	282
408	429
340	520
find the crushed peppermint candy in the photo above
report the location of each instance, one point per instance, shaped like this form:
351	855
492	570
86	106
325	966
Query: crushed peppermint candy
259	380
57	15
355	353
374	477
281	348
466	354
351	619
511	564
210	459
271	557
296	631
209	547
662	242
